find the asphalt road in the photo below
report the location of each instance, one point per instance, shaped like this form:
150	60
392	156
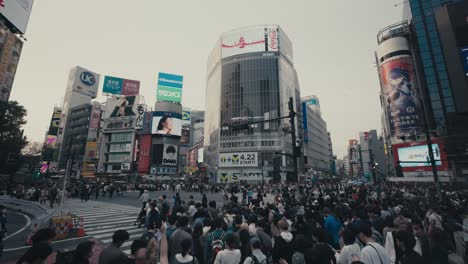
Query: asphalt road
15	222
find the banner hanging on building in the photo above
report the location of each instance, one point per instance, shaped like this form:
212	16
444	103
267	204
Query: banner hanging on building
238	159
11	47
169	155
186	122
403	108
144	152
169	87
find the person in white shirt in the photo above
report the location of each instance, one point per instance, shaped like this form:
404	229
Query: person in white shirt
257	255
372	253
230	255
350	249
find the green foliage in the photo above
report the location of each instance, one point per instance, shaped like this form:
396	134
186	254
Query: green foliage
12	140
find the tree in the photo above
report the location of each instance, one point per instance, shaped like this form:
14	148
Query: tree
33	148
12	140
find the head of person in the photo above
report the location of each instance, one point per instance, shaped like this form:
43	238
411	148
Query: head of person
363	231
255	244
230	241
138	250
172	219
84	250
197	230
283	226
37	253
43	235
182	221
327	211
119	237
218	222
348	236
165	123
186	246
238	220
417	227
405	240
212	204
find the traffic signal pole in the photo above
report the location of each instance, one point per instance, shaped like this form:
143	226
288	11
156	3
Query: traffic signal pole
292	115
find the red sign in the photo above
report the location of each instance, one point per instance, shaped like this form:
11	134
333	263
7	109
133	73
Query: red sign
130	87
145	154
442	160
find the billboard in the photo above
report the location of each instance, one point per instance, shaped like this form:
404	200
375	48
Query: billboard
166	124
200	155
85	82
186	124
464	58
243	41
272	33
95	119
122	106
169	87
252	175
11	47
238	159
51	141
169	155
414	156
140	117
304	122
17	12
44	167
403	108
117	124
144	151
115	85
55	121
147	123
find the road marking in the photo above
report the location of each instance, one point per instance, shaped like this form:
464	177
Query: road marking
28	223
53	242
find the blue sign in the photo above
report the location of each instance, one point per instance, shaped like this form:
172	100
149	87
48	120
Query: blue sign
170	80
112	85
87	78
464	57
304	122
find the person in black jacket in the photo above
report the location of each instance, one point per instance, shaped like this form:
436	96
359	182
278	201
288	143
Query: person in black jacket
284	246
406	242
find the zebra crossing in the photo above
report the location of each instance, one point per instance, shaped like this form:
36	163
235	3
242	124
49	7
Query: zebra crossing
102	219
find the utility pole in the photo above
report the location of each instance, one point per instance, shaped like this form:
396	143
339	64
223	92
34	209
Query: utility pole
292	115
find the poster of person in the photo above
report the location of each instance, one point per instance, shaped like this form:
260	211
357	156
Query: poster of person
122	106
401	97
166	124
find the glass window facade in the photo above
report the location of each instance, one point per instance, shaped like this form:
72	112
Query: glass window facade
433	63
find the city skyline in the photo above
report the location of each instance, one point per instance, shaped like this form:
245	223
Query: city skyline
84	36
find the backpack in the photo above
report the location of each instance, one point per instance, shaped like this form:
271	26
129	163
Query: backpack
255	260
216	246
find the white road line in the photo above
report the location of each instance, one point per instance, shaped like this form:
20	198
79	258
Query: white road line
53	242
28	223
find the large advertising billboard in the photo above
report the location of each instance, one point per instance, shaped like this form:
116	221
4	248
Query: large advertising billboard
11	47
169	155
95	117
403	108
85	82
185	137
169	87
144	151
238	159
122	106
141	110
243	41
119	86
414	156
166	124
55	122
17	12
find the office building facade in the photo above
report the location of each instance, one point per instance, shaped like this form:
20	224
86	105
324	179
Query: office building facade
251	77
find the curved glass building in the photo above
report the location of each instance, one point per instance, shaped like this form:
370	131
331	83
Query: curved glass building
250	79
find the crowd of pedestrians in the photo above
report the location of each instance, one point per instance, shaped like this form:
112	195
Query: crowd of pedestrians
322	223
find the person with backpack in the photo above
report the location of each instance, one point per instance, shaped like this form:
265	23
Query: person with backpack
184	257
283	246
178	236
229	255
151	239
257	256
215	241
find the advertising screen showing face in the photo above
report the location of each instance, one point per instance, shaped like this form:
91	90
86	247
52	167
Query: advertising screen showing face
399	89
166	124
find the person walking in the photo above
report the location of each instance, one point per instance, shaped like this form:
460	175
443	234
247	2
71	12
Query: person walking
229	255
184	256
112	254
372	253
257	256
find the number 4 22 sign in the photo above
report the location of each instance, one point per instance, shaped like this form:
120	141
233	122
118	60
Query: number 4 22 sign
238	159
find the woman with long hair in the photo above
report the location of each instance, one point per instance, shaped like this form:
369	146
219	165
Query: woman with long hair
185	256
198	241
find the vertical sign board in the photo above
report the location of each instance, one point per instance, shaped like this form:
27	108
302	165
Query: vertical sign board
185	137
304	120
11	47
145	148
169	87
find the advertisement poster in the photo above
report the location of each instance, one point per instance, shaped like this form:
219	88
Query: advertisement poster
399	89
243	41
185	137
238	159
169	87
166	124
17	12
141	110
51	141
169	155
418	156
228	176
85	82
122	106
144	151
10	55
272	39
44	167
119	86
95	117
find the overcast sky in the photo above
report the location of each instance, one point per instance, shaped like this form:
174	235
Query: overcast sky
333	42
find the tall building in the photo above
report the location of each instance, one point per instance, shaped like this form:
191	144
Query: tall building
372	154
423	70
251	77
14	18
354	159
318	153
81	88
